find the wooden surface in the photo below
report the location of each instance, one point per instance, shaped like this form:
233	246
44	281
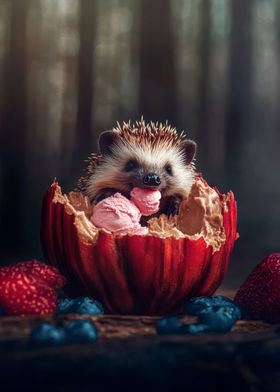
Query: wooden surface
130	356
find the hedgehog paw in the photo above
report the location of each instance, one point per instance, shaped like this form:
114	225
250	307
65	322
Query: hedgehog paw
173	206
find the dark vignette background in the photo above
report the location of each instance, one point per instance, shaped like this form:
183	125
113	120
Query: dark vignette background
72	68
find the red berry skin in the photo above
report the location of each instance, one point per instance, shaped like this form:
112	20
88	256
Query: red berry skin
259	295
23	294
46	273
28	288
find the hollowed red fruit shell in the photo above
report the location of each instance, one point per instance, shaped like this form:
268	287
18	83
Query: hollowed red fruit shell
135	274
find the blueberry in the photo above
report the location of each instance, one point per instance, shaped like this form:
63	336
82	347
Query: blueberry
63	305
215	314
46	334
218	318
79	331
86	305
170	325
196	305
194	329
80	305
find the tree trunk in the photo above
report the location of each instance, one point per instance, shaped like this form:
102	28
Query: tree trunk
157	63
14	127
240	71
277	24
84	137
203	86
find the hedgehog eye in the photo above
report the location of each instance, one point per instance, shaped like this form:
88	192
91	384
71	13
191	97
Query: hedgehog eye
168	169
131	165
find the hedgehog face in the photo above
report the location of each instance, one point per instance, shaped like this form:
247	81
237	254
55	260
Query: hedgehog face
151	164
150	155
151	167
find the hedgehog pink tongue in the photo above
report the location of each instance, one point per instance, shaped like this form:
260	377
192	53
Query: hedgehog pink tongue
146	200
118	214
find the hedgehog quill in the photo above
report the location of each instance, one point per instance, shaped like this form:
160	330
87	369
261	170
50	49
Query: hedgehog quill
152	156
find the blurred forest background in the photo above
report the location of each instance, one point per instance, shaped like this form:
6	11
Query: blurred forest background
72	68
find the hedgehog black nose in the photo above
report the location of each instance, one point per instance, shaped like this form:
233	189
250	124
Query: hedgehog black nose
151	179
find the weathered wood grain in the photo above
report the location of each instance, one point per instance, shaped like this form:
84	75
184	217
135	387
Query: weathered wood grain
128	355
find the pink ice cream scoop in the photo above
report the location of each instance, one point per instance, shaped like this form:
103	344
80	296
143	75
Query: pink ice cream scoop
146	200
119	214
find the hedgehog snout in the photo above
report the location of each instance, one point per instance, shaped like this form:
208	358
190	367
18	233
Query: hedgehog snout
151	179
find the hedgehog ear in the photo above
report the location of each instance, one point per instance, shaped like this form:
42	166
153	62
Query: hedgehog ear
106	142
188	148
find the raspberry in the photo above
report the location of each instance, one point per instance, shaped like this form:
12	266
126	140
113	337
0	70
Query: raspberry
22	294
28	288
260	293
46	273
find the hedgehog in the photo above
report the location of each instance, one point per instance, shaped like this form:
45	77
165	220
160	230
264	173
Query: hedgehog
151	155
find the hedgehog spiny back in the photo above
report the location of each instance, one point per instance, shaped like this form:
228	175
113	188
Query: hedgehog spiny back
150	134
